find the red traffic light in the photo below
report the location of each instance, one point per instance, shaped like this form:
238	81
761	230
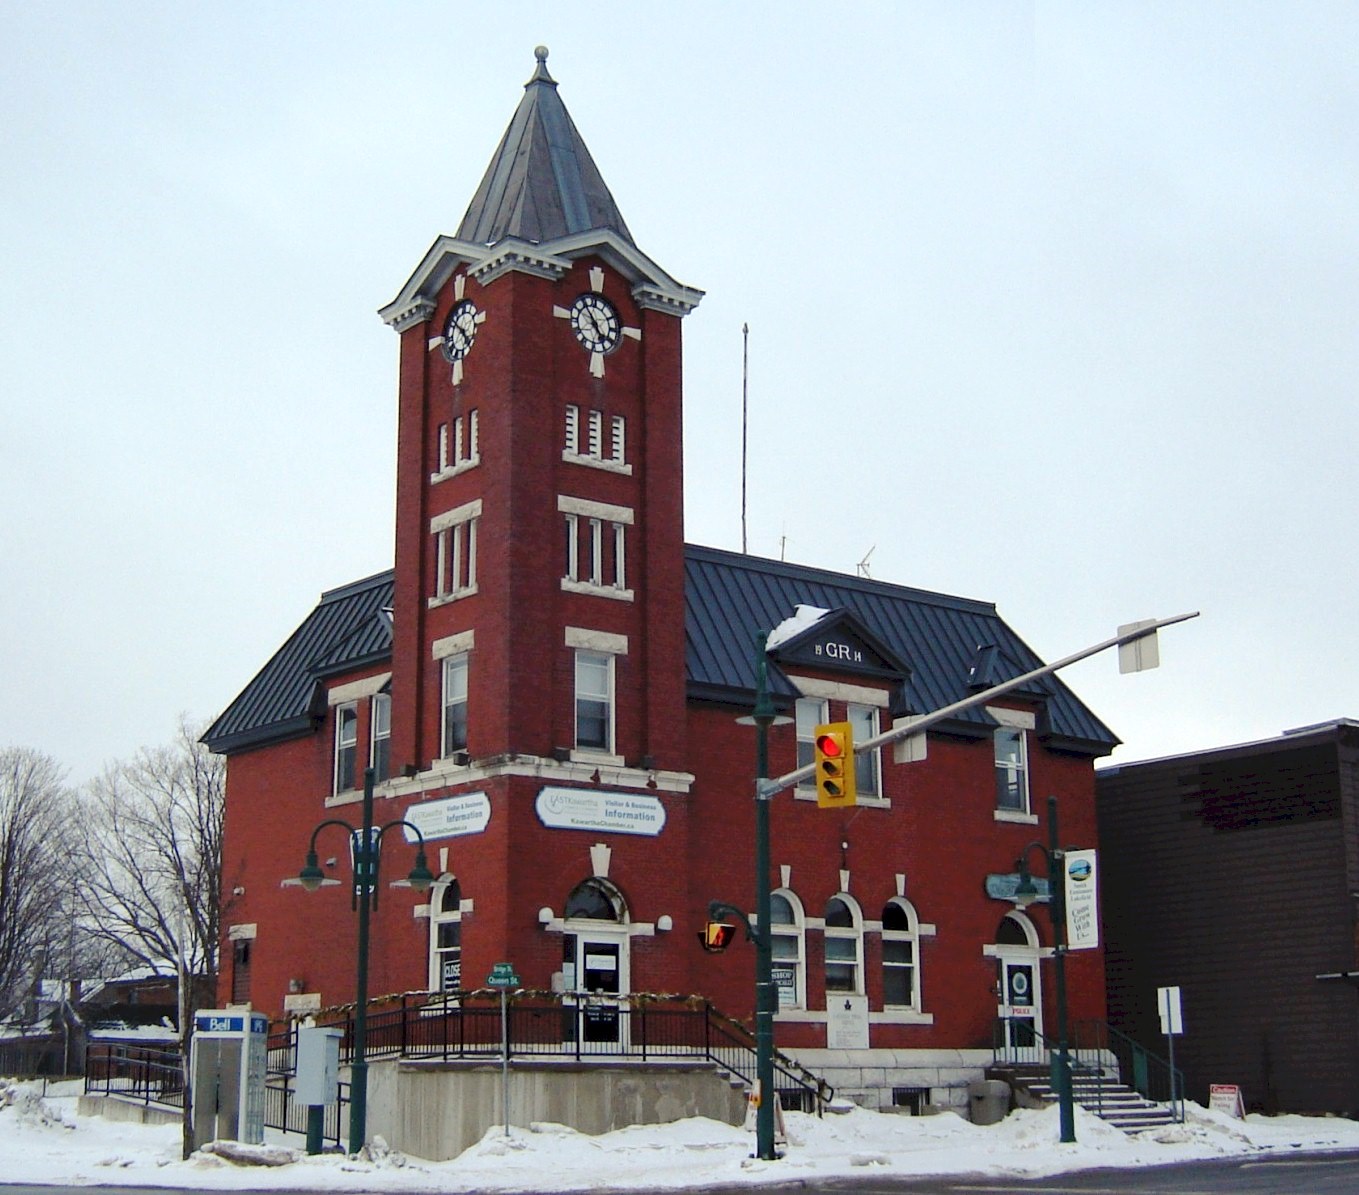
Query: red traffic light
830	745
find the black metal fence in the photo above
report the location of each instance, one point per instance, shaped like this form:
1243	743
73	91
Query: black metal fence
1101	1057
145	1074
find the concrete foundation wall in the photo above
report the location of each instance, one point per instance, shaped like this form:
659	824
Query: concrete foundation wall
437	1110
110	1107
867	1077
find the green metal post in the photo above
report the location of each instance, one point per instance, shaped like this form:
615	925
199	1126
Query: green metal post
1061	1063
763	714
365	877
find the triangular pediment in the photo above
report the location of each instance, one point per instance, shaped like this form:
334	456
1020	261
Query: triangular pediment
836	641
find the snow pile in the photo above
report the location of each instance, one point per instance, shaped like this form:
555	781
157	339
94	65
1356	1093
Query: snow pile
44	1141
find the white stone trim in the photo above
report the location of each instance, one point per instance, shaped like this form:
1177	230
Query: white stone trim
606	641
1015	719
453	645
459	514
1016	817
245	932
567	504
597	462
829	690
357	690
444	773
604	591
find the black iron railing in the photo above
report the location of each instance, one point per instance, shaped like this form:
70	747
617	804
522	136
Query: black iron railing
547	1025
144	1074
1101	1057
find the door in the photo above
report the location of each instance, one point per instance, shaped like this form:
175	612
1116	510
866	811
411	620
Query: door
594	967
1021	1008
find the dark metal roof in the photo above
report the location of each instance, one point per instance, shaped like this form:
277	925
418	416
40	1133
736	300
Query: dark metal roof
542	183
728	598
349	628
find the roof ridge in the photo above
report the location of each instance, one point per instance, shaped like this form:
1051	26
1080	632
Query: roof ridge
352	587
766	564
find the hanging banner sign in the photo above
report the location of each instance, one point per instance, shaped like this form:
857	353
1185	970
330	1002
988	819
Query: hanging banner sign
610	813
1082	912
450	818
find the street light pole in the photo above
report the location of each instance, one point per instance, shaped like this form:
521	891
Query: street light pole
366	843
1025	892
763	715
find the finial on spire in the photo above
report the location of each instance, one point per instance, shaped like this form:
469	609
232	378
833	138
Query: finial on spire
540	74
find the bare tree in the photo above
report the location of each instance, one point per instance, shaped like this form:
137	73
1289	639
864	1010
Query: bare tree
34	870
152	855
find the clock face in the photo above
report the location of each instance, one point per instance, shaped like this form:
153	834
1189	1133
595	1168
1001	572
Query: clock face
596	323
460	330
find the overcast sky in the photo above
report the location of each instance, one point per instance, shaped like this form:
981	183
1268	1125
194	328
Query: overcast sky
1074	285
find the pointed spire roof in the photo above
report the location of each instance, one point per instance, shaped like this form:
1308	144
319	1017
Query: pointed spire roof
542	184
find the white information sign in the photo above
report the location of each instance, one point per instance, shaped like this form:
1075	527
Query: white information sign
452	817
613	813
1082	911
1168	1004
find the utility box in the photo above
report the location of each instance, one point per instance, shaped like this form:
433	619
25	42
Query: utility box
318	1066
988	1101
230	1061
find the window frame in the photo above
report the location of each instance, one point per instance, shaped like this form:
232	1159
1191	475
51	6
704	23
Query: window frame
798	936
1015	770
806	742
453	665
608	698
853	933
345	761
438	918
867	762
380	735
910	936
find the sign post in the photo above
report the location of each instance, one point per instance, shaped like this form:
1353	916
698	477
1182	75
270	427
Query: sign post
502	976
1172	1025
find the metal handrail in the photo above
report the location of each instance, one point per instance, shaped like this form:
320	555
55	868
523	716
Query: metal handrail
146	1074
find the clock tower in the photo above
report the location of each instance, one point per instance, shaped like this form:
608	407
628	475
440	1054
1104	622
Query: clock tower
538	608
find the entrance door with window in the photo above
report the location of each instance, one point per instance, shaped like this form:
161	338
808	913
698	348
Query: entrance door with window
594	967
1021	1008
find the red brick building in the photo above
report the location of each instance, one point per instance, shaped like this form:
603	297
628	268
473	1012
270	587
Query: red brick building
548	684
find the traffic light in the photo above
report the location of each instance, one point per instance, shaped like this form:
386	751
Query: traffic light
834	765
716	936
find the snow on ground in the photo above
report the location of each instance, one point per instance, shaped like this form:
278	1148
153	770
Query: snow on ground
43	1140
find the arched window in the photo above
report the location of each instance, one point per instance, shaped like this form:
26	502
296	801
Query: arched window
900	962
844	945
788	949
595	900
445	937
1015	929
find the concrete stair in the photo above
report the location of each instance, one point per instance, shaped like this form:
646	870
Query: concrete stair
1096	1092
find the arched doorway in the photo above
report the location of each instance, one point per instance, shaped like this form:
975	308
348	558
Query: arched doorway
595	962
1019	989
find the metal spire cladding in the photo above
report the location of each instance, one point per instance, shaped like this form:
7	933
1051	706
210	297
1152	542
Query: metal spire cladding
542	184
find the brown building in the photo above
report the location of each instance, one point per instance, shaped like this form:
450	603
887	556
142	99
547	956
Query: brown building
1233	873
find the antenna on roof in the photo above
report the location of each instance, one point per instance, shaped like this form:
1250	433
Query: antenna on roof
745	378
862	566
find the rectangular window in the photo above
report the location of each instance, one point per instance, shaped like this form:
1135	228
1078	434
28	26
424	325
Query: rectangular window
596	551
594	701
455	552
473	438
618	448
443	447
594	448
458	449
346	746
811	713
863	722
382	736
842	964
240	970
1012	770
572	548
619	557
454	727
898	972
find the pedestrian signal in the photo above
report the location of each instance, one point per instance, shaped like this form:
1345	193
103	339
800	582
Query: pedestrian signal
834	765
716	936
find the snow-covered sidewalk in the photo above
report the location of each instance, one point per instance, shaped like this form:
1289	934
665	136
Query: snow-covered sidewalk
43	1140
